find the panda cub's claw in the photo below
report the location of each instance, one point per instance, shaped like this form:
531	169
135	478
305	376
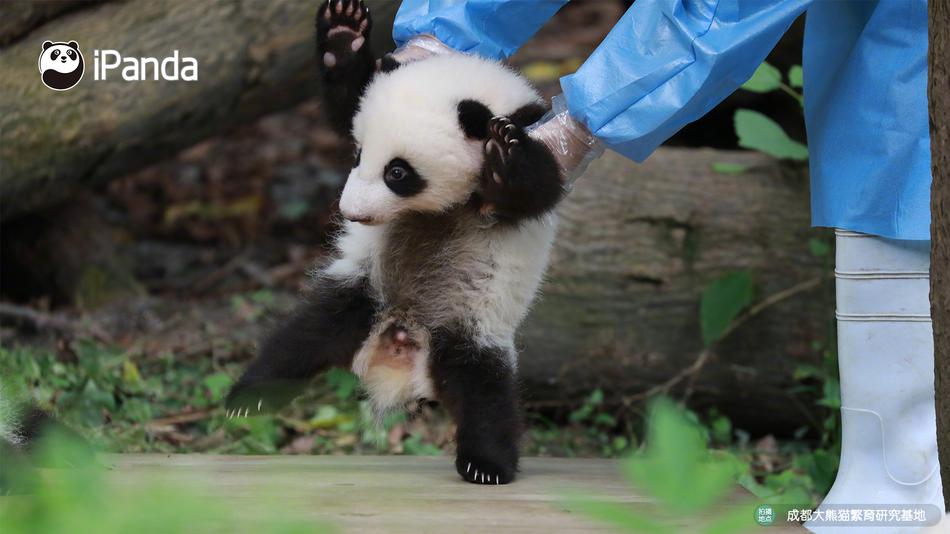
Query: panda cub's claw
342	31
502	146
483	472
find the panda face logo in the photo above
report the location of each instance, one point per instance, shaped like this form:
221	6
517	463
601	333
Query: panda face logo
61	65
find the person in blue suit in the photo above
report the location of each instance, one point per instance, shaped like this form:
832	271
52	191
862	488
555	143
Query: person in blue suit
668	62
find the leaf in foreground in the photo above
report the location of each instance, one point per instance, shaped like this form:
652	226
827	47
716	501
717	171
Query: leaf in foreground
721	303
765	78
758	132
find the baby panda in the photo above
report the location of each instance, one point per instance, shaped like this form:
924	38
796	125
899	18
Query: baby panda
448	230
61	65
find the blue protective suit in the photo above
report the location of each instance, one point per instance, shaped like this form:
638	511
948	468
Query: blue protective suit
668	62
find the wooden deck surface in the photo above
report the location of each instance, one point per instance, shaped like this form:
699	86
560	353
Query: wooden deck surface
394	494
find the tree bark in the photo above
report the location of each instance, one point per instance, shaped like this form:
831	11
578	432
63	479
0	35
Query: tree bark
254	57
20	17
939	98
636	247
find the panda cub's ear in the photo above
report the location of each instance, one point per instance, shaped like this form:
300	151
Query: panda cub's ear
47	44
73	44
473	118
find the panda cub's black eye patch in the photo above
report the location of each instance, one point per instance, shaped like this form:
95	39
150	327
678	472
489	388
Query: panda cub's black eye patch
402	179
55	54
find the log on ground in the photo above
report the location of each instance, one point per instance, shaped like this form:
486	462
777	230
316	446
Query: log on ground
253	58
636	247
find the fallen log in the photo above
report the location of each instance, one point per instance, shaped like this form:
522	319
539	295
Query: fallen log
253	57
636	247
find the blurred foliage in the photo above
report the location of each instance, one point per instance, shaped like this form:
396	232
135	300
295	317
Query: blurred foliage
593	428
78	500
693	488
758	132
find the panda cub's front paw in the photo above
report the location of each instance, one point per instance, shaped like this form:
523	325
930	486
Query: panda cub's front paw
480	469
503	147
342	31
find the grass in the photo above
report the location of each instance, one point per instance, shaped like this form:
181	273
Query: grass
125	402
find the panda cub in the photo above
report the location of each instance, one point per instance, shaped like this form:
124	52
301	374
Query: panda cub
61	65
448	229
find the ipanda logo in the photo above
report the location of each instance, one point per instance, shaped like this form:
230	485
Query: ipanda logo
61	66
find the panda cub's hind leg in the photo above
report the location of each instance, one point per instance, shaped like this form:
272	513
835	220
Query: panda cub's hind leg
344	57
520	177
478	385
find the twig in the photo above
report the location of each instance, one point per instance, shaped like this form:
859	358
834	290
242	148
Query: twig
696	367
212	279
41	320
185	417
36	318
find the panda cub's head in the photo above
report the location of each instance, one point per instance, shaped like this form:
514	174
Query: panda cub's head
61	65
417	150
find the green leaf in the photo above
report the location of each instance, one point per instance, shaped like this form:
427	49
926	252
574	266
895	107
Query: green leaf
795	76
818	247
596	397
723	167
676	468
721	303
130	373
343	382
758	132
803	371
765	78
721	429
217	384
831	394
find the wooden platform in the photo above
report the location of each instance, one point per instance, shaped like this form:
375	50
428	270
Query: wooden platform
394	494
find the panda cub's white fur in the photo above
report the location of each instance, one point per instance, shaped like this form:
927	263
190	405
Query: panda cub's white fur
431	263
411	113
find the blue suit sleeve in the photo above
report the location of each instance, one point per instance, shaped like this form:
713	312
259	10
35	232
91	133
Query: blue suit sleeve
490	28
668	62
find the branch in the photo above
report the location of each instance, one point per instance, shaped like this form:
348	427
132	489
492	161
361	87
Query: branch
696	367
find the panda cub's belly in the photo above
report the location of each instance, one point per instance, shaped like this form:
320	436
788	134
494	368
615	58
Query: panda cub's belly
448	271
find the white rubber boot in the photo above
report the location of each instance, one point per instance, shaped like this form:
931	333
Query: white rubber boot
886	364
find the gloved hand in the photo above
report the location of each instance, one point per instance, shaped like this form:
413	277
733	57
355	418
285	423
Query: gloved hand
420	47
572	144
570	141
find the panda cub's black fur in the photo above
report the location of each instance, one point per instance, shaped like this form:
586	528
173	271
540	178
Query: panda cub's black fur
449	227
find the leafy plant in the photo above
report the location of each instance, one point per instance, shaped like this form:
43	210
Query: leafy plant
125	403
685	479
79	500
758	132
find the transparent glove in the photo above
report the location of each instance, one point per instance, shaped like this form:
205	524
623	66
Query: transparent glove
569	140
419	47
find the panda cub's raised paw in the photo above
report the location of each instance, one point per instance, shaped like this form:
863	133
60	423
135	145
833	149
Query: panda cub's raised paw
520	177
342	31
503	145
